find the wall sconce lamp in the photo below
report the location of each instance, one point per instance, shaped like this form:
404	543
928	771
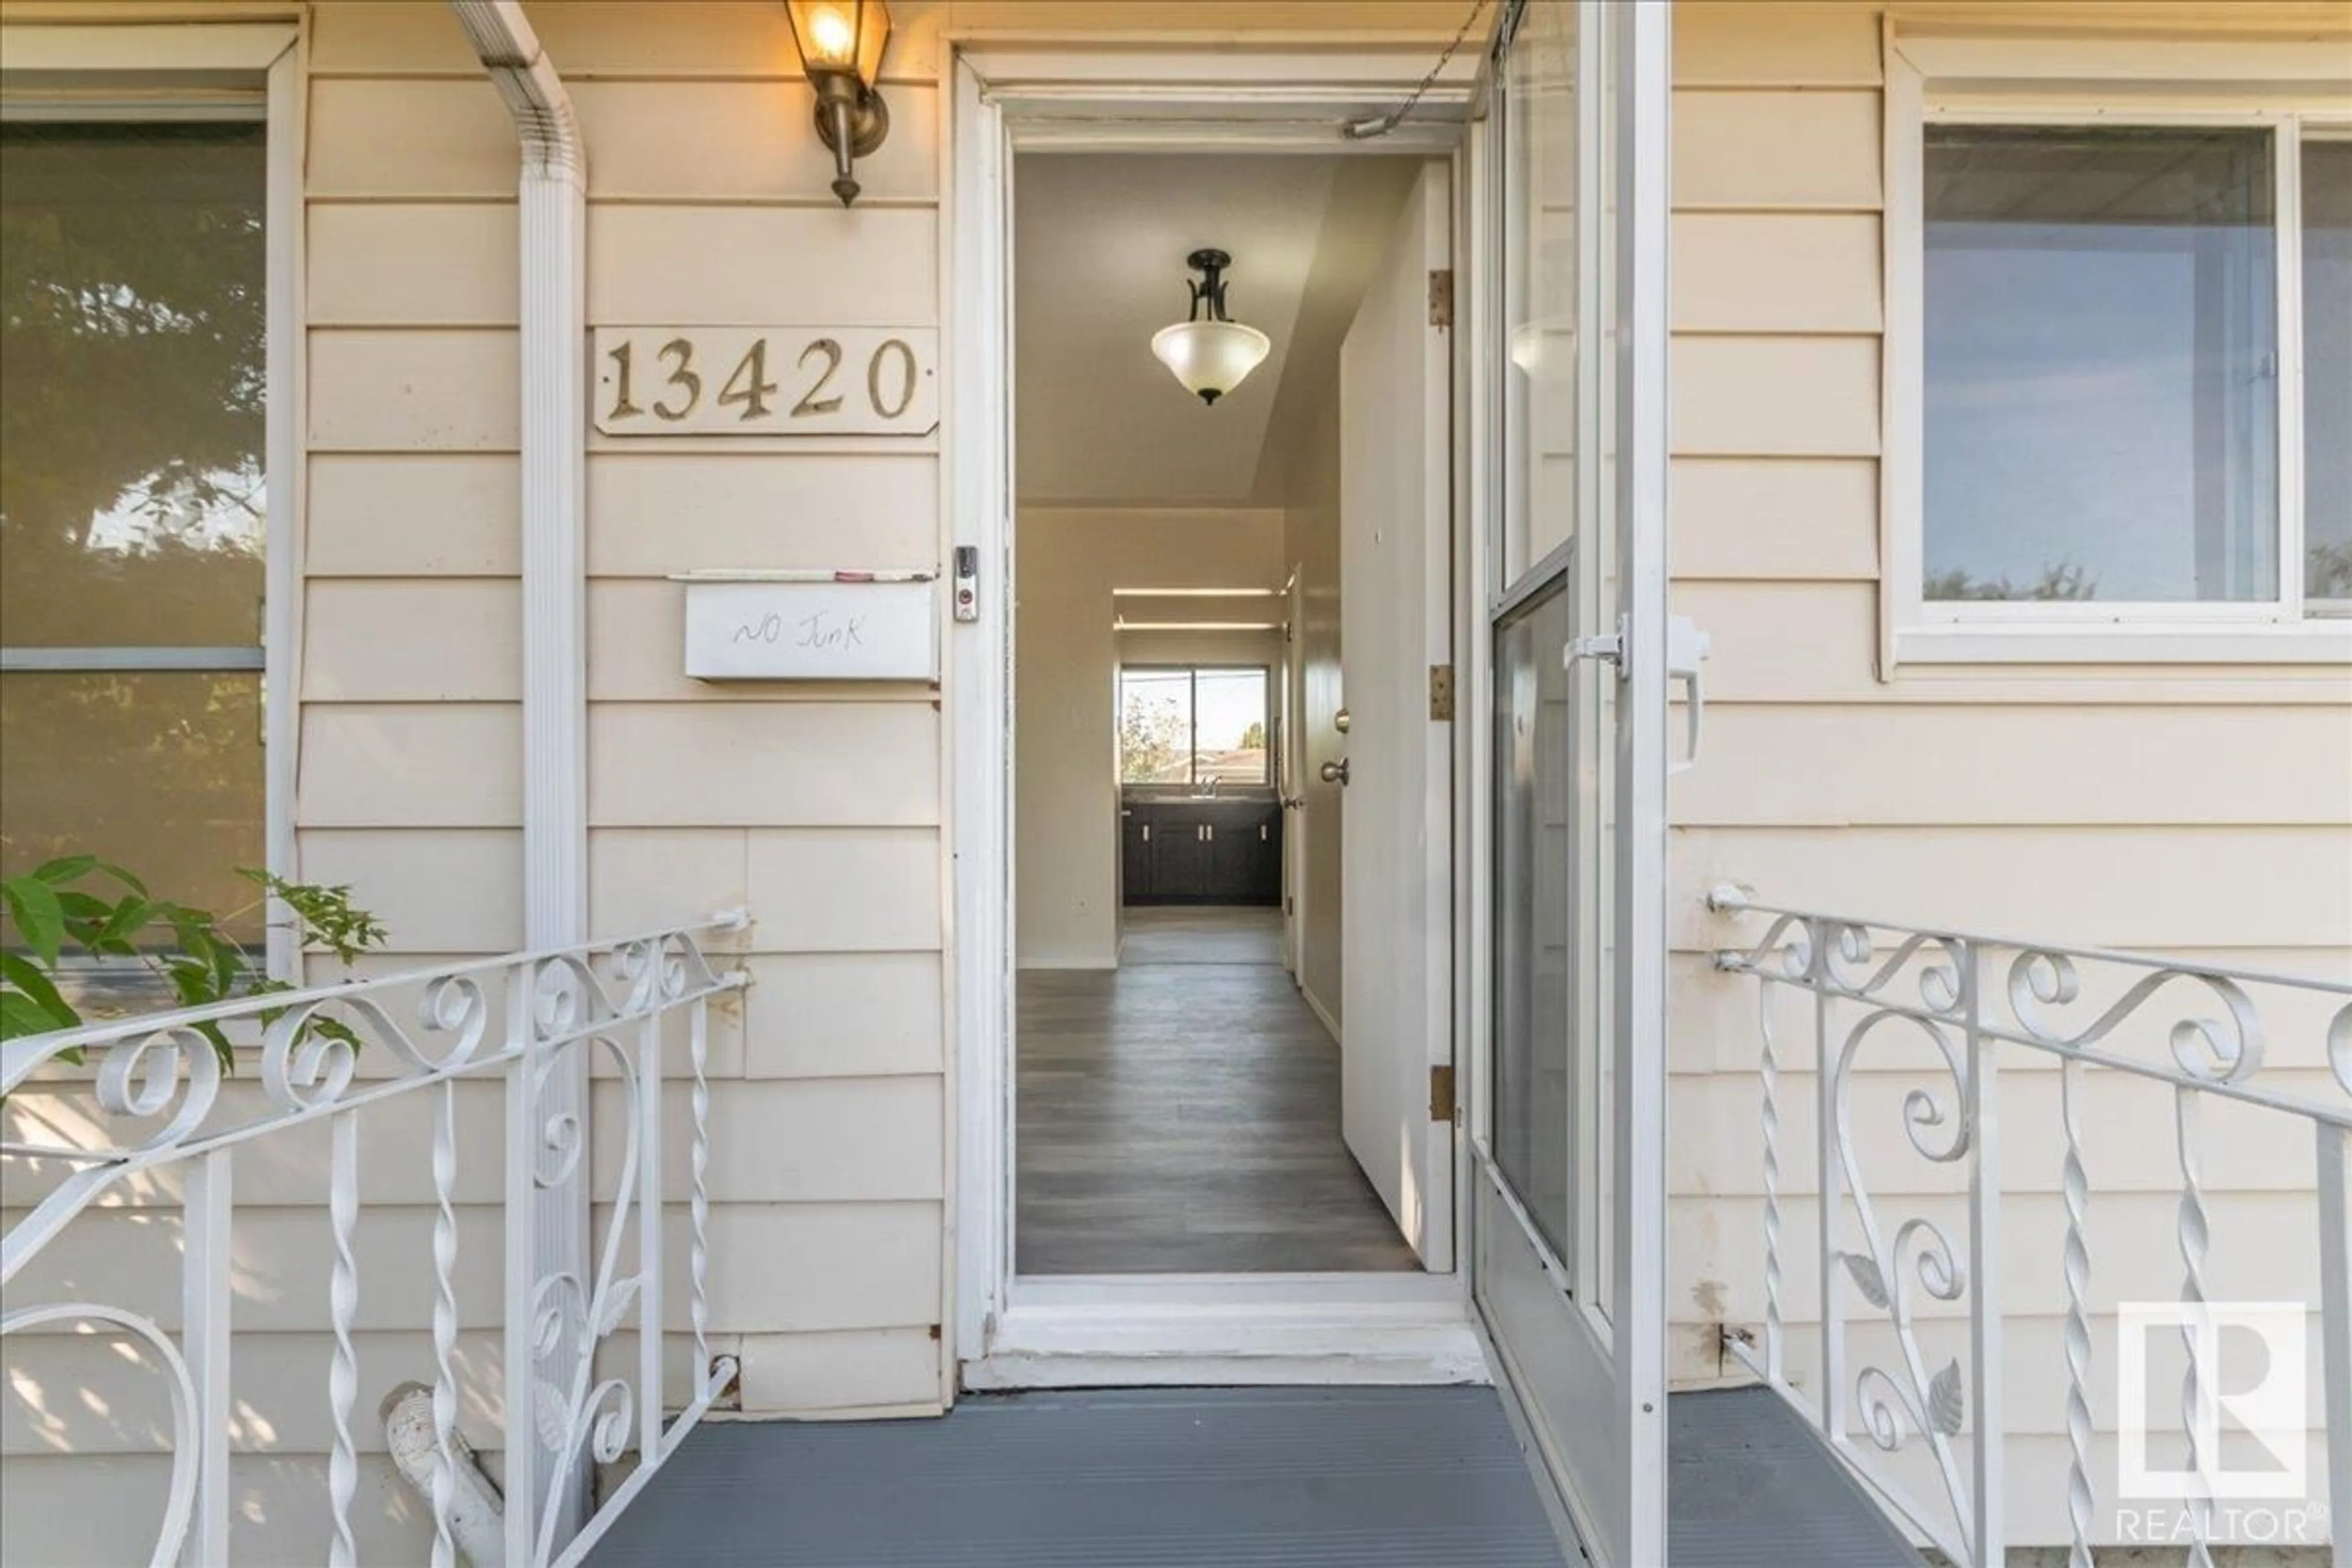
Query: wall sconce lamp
841	43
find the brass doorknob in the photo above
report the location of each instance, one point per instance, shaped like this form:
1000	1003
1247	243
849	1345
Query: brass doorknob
1336	773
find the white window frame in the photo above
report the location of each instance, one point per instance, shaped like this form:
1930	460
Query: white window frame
2291	89
241	70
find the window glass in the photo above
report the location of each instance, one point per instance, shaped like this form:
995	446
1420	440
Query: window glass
1155	726
1193	725
1542	263
130	387
2327	369
157	771
1534	842
132	512
1229	726
2101	375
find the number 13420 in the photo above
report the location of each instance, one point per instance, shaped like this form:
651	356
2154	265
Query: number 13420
767	381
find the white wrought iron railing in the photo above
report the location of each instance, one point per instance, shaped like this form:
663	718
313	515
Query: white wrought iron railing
147	1096
1941	1009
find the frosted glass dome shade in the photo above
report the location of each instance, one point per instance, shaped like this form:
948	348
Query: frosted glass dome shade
1211	358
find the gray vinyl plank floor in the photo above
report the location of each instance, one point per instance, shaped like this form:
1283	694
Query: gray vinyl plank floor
1180	1113
1235	1478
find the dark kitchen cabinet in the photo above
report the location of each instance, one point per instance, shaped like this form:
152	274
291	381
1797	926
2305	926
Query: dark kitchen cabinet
1200	851
1240	857
1180	856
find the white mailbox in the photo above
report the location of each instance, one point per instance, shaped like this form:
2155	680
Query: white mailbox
812	626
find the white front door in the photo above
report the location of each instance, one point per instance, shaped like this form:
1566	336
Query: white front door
1396	917
1569	1200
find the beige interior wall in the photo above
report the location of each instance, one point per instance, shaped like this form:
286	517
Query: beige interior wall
2195	811
1311	549
1066	657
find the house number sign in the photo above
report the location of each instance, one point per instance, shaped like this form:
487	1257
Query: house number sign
767	381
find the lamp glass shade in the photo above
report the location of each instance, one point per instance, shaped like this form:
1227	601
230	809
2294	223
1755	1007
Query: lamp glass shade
1211	358
840	37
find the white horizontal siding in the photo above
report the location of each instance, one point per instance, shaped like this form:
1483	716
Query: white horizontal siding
1745	519
423	391
1755	149
847	1139
2194	811
437	890
441	639
414	514
668	141
1959	765
652	512
762	266
373	264
438	764
823	1015
814	764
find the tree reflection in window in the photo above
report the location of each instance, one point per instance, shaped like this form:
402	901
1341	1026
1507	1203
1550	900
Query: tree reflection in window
132	519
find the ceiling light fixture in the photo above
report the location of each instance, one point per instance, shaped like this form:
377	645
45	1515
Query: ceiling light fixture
841	43
1208	351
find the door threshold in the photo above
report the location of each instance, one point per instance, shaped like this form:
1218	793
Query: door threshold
1195	1330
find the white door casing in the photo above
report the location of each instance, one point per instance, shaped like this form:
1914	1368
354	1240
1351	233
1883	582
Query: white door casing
1009	95
1396	840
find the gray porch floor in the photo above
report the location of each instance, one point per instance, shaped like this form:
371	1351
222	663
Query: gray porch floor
1300	1478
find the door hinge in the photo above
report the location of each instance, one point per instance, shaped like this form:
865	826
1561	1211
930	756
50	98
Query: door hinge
1441	693
1441	298
1441	1093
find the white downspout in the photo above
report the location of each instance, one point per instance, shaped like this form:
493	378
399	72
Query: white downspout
554	232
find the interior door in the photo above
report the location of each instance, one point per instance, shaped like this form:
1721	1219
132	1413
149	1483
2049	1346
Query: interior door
1396	922
1570	1201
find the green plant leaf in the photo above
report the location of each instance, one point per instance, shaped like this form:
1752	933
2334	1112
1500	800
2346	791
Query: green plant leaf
123	876
324	915
65	868
192	979
124	918
20	1016
221	1047
335	1029
227	963
36	988
80	905
40	920
85	916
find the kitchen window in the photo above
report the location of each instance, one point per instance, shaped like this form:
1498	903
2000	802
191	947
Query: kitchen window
2119	347
1191	725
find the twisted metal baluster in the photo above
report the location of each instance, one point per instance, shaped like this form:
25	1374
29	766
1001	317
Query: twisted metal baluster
445	1326
1769	1071
2077	1187
343	1300
699	1256
2195	1234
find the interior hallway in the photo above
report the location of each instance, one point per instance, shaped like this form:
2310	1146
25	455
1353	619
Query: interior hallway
1180	1113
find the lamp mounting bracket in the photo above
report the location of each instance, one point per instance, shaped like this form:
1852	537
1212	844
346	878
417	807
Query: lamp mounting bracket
1210	291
